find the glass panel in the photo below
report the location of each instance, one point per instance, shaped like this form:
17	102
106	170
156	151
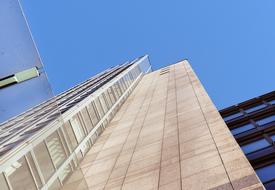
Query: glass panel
273	137
34	170
93	114
233	116
266	173
255	108
270	186
64	143
55	186
70	135
103	103
266	120
99	108
108	99
112	97
44	160
86	119
271	102
242	129
56	149
3	183
77	128
19	176
65	173
254	146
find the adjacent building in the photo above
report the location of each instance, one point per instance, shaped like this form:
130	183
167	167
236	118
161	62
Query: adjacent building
125	128
252	123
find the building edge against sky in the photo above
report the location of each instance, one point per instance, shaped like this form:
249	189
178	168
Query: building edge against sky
168	124
50	153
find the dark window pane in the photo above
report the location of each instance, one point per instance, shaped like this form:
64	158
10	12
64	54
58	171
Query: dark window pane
266	173
233	116
254	146
266	120
273	137
255	108
271	101
270	186
44	160
242	129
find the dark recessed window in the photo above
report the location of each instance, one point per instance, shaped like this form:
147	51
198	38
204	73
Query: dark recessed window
273	137
233	116
266	120
242	129
255	108
270	185
271	102
266	173
255	146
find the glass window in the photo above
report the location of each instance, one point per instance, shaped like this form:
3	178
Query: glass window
56	149
19	176
242	129
70	135
270	185
255	108
233	116
103	103
112	96
266	173
99	107
266	120
108	99
77	128
254	146
87	119
34	170
3	183
93	114
273	137
271	102
44	160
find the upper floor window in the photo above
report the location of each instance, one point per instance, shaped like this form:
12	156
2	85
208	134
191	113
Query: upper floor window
233	116
271	102
242	129
255	146
255	108
266	173
266	120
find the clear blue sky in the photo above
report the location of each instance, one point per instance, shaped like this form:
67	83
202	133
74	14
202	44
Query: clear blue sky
230	44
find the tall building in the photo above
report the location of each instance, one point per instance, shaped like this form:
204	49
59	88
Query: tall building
252	123
126	128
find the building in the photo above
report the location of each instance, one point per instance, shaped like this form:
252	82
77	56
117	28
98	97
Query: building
252	123
126	128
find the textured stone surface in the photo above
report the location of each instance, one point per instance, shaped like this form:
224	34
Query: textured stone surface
167	135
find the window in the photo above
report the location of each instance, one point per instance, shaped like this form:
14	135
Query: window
266	173
56	149
19	175
93	114
271	102
44	160
34	170
233	116
77	128
255	108
273	137
70	135
242	129
99	107
266	120
87	120
270	185
255	146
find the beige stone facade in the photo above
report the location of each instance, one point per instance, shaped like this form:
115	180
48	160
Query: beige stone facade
168	135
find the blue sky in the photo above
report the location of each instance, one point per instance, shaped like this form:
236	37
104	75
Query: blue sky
230	44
